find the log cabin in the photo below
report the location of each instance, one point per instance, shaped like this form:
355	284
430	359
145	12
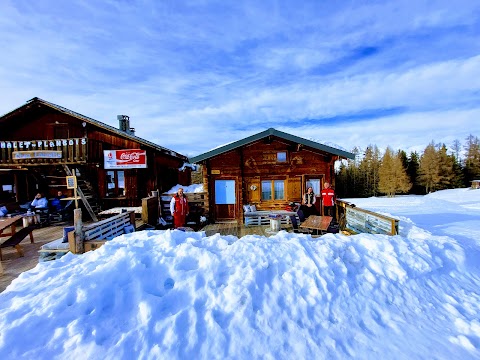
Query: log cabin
42	143
270	170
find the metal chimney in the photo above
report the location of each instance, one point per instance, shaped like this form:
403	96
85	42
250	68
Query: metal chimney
123	122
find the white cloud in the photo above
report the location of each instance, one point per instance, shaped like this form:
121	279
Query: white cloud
220	71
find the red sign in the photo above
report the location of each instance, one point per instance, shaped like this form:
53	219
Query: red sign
125	159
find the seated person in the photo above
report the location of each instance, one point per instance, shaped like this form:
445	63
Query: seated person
40	202
56	203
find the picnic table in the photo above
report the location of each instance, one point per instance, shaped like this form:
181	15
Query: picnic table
317	223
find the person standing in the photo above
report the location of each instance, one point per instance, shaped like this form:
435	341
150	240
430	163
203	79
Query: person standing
308	203
328	200
179	208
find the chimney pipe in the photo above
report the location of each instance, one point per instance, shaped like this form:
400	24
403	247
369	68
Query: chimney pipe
123	122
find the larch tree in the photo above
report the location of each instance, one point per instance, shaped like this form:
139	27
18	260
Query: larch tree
393	176
428	171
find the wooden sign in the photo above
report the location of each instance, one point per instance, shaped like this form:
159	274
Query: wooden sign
71	182
37	154
215	172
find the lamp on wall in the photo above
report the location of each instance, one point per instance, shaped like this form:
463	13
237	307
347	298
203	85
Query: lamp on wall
84	124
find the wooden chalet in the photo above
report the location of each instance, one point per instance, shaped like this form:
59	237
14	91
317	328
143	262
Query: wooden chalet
41	143
269	170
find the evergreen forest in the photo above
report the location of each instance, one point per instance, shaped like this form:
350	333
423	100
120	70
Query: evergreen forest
374	173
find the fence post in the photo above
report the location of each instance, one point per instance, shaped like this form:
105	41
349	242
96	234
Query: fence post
79	235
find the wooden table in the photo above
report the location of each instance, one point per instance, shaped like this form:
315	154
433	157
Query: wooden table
6	222
317	223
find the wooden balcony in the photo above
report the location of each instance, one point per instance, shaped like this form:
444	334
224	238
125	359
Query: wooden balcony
43	152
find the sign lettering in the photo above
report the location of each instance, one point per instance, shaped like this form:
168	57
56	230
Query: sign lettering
125	159
45	144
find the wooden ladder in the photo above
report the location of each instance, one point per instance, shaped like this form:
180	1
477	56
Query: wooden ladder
82	196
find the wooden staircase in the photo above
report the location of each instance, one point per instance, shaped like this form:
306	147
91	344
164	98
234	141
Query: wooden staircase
86	192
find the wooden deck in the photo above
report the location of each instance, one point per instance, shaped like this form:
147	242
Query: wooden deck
13	265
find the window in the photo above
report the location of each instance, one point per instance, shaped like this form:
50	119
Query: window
115	183
225	192
60	132
281	156
273	189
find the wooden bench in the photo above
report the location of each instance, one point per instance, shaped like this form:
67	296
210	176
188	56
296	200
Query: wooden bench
261	217
16	239
96	234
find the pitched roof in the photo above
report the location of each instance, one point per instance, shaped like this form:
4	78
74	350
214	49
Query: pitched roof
97	123
266	133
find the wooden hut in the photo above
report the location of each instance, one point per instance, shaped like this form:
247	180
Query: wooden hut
42	143
269	170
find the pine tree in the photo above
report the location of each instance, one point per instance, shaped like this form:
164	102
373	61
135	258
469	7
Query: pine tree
412	172
428	172
446	172
369	171
393	176
472	159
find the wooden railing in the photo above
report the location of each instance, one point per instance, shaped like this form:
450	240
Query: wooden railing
365	221
198	203
43	152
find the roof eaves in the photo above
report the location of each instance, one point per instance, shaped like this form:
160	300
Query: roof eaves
104	126
269	132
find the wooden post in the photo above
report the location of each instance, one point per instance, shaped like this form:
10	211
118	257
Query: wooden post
145	210
1	268
79	235
132	218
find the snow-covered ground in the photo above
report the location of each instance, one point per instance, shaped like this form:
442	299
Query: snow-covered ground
169	294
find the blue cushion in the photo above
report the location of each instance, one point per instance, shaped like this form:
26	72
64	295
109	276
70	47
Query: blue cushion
129	229
66	230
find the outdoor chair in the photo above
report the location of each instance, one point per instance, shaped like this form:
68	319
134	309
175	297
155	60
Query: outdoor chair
63	214
44	216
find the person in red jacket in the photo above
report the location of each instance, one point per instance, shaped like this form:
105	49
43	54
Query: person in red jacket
179	208
328	200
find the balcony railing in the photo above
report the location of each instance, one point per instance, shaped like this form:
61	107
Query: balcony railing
43	152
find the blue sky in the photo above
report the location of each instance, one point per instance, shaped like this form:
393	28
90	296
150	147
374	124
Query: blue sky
193	75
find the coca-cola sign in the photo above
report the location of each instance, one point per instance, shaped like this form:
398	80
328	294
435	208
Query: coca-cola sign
125	159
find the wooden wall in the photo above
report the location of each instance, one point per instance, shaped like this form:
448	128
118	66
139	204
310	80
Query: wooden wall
250	164
39	122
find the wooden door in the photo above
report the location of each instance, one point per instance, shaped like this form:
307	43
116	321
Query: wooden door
225	199
315	181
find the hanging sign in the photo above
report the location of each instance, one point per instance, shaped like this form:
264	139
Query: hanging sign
38	154
125	159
